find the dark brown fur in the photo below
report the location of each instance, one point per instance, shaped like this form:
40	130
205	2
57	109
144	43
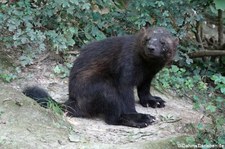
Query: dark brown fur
105	73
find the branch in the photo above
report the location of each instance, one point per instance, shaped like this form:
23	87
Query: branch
205	53
75	52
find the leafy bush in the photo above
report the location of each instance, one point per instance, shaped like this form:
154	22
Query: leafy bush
179	79
62	24
211	100
31	25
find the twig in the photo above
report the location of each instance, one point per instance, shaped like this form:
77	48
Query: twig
41	59
73	52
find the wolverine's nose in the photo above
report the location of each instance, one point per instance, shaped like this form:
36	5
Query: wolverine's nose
151	48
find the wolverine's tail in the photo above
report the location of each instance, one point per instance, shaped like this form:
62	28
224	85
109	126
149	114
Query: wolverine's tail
40	96
45	100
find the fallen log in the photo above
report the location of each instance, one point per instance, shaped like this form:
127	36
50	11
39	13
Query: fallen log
205	53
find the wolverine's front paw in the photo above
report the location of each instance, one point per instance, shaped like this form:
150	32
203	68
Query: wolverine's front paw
153	101
137	120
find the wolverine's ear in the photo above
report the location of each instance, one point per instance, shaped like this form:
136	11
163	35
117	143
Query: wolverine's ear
147	25
145	28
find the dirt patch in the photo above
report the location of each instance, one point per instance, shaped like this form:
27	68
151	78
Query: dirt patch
29	125
178	115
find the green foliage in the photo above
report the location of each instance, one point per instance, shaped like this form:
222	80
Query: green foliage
219	81
33	24
211	132
178	16
62	70
55	107
219	4
7	77
180	80
205	97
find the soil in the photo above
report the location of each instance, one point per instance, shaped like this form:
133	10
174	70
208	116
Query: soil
24	124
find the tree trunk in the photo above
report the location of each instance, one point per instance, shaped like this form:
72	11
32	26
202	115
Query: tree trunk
220	27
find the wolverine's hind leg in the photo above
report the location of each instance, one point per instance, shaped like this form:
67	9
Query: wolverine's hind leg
95	97
73	110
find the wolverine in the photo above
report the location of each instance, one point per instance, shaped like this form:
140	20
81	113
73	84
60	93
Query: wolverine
104	75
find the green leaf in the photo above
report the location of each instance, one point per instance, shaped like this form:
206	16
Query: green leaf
175	68
65	4
190	140
207	142
196	106
200	126
220	4
73	30
188	60
76	2
221	140
220	99
57	69
159	3
7	77
12	27
86	6
222	90
24	40
213	9
211	108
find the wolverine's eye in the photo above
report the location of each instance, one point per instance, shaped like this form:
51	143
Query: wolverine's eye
163	42
164	48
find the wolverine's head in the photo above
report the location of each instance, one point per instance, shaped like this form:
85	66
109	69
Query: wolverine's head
158	43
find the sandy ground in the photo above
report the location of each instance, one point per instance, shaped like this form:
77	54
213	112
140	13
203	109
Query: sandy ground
174	120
